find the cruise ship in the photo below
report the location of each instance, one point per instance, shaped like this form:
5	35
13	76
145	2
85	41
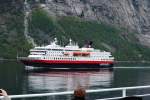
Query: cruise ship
69	56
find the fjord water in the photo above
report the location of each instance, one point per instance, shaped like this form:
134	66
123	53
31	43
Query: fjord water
17	79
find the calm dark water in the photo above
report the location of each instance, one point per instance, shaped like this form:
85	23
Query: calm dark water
17	79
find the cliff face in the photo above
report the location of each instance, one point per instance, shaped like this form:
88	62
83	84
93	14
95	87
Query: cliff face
133	15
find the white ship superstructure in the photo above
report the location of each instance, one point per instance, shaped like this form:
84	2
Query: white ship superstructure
71	54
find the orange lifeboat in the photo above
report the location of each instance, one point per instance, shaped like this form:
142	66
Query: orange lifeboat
77	53
85	54
81	54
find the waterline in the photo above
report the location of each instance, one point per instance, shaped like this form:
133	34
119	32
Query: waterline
131	67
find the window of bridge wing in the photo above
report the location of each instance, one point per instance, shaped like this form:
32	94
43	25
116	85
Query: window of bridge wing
36	52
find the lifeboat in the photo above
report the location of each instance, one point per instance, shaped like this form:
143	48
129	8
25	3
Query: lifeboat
86	54
77	53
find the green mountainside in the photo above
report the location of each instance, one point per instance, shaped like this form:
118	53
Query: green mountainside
44	28
12	39
123	45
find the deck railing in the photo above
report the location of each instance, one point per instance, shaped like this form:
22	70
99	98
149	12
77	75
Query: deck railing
122	89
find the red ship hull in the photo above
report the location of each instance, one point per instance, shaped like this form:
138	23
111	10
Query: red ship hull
67	63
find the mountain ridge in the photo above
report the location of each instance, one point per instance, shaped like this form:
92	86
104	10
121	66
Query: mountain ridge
45	24
132	15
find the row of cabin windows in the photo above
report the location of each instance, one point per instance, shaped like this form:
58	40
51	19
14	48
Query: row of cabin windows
58	53
102	57
60	58
57	49
60	50
74	58
95	57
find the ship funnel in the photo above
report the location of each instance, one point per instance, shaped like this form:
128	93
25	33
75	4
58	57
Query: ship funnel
88	44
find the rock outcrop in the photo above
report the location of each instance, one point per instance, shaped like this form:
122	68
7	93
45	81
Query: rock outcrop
133	15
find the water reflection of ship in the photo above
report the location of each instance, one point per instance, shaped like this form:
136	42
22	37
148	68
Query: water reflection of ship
51	81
